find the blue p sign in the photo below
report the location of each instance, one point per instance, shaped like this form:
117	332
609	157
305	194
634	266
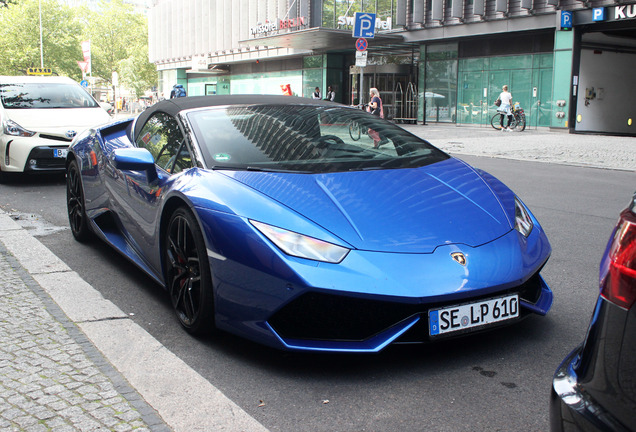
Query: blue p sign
598	14
566	20
363	25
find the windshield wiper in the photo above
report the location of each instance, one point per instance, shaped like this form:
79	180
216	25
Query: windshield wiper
257	169
280	170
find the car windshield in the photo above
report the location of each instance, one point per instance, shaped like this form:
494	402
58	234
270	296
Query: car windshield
305	138
45	95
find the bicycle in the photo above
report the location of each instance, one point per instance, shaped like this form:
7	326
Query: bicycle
518	122
355	129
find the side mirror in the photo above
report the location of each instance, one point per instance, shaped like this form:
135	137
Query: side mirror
134	159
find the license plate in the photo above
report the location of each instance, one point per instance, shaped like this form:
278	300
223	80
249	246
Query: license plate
60	153
478	314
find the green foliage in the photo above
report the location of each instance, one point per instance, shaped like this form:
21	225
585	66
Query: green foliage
118	36
20	33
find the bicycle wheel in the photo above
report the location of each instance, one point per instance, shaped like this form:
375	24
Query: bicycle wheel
495	121
521	122
513	124
354	130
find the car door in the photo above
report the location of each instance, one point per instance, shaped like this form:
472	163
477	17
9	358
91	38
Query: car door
163	138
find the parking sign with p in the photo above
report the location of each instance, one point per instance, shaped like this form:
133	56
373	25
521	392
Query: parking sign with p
363	25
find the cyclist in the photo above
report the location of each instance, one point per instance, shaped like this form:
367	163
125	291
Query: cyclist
505	107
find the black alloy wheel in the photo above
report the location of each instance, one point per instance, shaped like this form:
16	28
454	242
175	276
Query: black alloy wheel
75	205
188	276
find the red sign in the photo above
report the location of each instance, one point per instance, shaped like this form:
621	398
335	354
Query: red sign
362	44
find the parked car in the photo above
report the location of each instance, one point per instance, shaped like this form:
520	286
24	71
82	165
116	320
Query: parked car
107	107
594	388
265	216
40	116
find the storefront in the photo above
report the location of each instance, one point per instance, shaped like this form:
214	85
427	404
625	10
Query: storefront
432	60
462	79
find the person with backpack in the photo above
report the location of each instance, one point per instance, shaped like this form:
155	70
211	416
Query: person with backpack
177	91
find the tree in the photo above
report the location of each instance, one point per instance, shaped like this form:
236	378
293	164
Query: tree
5	3
20	35
118	36
119	43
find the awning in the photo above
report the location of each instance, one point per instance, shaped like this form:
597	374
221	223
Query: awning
322	40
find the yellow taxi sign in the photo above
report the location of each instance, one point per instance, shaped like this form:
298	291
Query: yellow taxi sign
39	71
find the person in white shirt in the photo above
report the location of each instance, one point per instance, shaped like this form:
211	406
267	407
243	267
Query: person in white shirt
506	107
316	94
331	95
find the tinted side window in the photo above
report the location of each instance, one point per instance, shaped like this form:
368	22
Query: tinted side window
163	138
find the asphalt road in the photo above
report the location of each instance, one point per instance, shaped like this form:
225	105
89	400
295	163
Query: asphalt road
494	381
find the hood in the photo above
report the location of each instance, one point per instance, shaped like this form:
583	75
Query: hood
58	121
402	210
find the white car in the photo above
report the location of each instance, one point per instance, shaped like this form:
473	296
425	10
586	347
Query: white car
39	117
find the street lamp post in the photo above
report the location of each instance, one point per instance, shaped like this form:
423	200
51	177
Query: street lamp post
41	49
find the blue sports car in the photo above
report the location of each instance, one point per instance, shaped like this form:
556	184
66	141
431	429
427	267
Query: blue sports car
307	225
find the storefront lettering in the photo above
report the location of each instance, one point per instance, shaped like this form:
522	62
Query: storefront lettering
278	24
626	11
379	24
291	23
263	28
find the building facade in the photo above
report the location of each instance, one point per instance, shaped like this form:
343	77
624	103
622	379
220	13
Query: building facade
567	62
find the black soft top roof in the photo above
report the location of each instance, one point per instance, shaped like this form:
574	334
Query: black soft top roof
174	106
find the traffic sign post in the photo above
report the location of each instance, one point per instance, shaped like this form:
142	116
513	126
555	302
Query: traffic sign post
361	58
364	25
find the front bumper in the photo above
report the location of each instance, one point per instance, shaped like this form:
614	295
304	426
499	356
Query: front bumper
33	154
370	299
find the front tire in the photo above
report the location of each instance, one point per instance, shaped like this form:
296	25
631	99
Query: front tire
75	204
187	270
495	121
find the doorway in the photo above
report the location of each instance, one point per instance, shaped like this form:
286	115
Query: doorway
392	81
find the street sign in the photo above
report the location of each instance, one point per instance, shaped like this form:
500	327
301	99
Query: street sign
364	25
39	71
361	58
566	20
362	44
84	83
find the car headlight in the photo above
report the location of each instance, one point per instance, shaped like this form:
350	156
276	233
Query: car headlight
12	128
523	221
302	246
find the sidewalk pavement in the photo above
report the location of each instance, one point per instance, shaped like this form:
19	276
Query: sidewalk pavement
533	144
70	360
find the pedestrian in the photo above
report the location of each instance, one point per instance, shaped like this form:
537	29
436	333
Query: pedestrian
331	95
177	91
316	94
375	108
506	107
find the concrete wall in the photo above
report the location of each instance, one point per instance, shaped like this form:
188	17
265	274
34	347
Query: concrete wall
610	74
179	29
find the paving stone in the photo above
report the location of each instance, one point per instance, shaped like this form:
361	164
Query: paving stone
50	380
